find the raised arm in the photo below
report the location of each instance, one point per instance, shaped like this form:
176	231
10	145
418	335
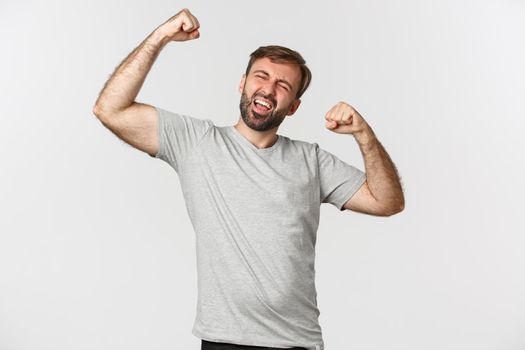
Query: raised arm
382	193
133	122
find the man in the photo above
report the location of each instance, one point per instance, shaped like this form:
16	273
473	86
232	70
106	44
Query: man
253	195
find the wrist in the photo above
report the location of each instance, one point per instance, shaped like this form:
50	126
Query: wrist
366	137
158	38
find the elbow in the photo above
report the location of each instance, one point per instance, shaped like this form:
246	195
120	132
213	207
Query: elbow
100	110
395	209
97	111
102	113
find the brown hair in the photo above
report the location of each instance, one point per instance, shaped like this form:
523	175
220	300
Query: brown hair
281	54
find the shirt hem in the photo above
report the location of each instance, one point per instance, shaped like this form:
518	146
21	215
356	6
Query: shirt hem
203	336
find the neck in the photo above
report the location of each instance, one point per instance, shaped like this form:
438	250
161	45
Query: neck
260	139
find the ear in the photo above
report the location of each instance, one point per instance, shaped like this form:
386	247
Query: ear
294	107
241	84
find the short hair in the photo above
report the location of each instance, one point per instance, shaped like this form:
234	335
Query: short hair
281	54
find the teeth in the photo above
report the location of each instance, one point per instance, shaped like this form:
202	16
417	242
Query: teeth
263	103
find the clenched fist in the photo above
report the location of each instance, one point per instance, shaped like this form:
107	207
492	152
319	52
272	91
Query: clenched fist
344	119
181	27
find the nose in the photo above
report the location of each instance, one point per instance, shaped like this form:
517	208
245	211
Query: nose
268	89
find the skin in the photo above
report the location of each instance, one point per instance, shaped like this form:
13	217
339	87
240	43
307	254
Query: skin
136	123
381	194
277	83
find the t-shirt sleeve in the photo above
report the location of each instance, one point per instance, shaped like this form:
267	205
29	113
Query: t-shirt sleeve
338	180
178	135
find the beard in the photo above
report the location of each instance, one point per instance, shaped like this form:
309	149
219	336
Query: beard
260	122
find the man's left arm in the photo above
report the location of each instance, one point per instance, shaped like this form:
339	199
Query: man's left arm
381	194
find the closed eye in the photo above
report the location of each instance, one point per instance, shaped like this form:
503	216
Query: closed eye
265	77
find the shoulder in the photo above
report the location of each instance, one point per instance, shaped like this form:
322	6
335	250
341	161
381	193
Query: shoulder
300	145
169	115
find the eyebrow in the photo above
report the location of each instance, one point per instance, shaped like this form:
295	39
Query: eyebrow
279	80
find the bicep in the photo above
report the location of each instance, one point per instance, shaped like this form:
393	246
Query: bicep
137	126
364	202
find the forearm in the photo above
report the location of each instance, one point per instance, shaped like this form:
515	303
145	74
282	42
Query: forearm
123	86
381	173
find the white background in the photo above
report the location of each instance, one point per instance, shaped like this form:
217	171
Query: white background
96	247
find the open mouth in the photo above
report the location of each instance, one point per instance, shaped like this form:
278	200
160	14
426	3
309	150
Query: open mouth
262	106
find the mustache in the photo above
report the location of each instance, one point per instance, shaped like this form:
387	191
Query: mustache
267	97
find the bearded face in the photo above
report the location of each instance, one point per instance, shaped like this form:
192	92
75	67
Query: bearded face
268	93
259	112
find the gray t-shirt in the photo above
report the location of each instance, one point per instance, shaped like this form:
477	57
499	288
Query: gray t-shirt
255	213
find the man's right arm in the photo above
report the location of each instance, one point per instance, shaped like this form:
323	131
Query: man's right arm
133	122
